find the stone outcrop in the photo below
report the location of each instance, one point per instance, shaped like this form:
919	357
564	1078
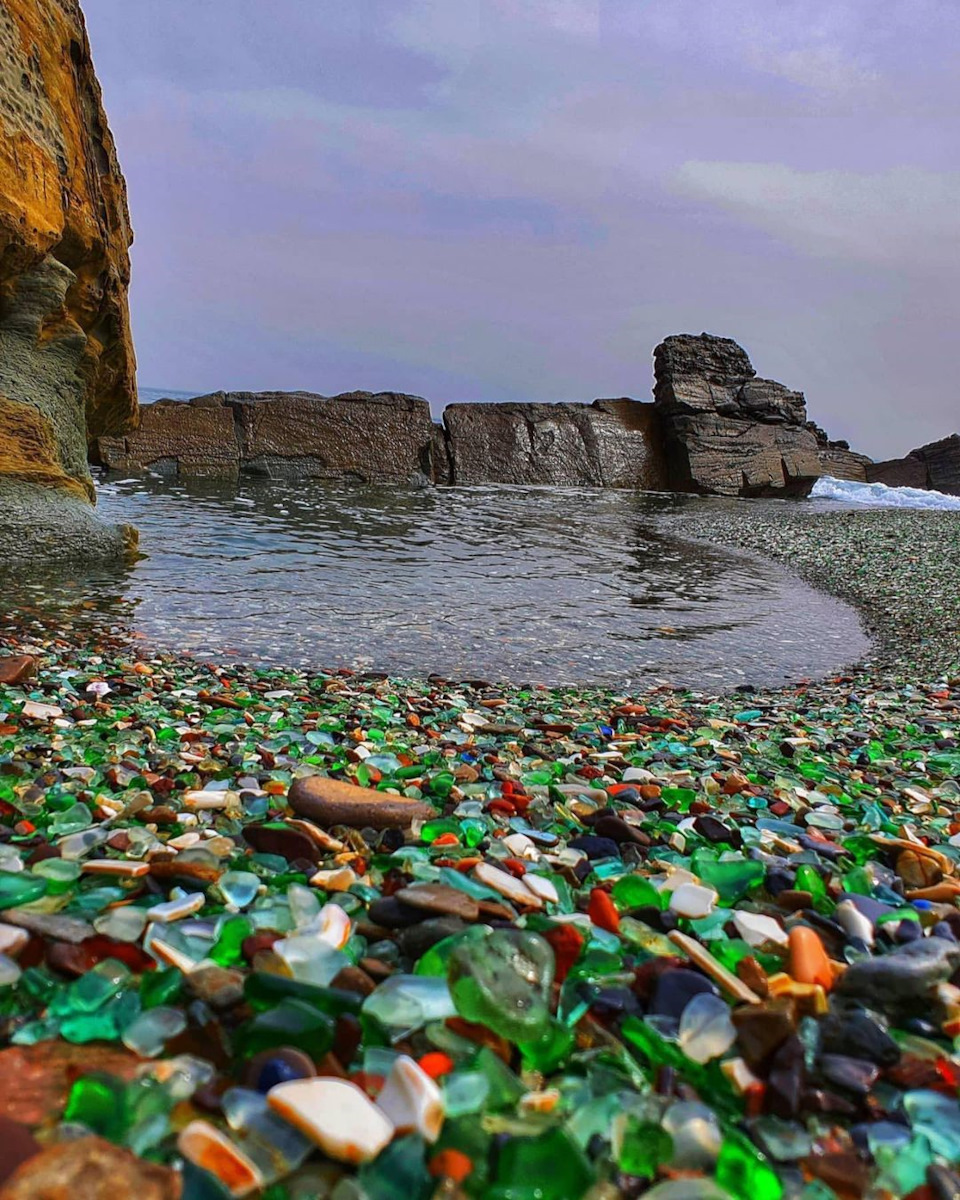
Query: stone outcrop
935	465
714	427
899	472
610	443
67	370
727	432
370	436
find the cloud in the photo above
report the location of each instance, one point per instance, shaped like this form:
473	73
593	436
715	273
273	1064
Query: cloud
903	218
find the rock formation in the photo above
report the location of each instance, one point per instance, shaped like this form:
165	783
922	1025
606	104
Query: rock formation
610	443
66	358
383	436
713	428
936	466
727	432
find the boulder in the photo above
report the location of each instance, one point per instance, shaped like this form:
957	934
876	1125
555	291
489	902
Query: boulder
942	460
67	370
728	432
935	465
378	437
899	472
610	443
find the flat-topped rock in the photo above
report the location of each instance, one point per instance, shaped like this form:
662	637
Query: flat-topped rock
334	802
609	443
369	436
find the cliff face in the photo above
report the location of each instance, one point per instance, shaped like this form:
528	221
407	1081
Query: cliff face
935	465
67	369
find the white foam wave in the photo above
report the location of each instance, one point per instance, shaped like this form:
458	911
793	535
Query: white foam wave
879	495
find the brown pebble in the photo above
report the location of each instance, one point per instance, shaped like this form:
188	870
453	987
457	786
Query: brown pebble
918	870
333	802
794	901
753	975
353	979
251	946
161	814
220	987
283	841
36	1079
437	898
375	968
90	1169
763	1028
845	1172
16	669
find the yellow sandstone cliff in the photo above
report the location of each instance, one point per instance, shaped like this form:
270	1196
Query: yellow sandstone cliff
67	368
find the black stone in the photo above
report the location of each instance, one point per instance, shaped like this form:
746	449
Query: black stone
674	990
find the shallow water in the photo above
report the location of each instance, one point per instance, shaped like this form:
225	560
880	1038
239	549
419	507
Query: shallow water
531	584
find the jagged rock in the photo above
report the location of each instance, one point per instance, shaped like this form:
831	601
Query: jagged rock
935	465
66	359
899	472
728	432
836	457
610	443
382	436
942	460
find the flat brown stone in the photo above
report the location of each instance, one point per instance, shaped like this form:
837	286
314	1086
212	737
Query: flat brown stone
90	1169
437	898
36	1079
18	668
333	802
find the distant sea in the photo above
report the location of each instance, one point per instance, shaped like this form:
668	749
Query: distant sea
147	395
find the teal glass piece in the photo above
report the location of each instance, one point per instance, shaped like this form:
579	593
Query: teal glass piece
18	888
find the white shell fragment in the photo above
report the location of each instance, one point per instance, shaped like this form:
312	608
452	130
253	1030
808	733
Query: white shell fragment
336	1115
412	1100
693	900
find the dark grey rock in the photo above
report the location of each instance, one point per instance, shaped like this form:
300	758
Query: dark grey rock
898	983
728	432
610	443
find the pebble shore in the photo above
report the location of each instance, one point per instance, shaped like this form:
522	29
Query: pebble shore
325	935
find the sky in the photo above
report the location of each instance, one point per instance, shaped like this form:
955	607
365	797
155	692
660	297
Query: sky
518	199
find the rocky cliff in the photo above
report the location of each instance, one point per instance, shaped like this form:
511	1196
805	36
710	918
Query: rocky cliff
936	466
728	432
67	371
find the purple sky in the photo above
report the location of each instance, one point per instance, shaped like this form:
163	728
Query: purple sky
517	199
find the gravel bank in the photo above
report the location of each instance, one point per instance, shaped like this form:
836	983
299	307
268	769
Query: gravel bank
900	568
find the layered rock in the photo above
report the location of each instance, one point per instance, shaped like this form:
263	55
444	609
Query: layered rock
935	465
382	436
728	432
67	368
610	443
